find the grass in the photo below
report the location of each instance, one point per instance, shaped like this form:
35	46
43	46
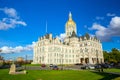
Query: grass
112	70
56	75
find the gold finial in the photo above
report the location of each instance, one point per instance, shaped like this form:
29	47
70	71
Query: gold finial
70	16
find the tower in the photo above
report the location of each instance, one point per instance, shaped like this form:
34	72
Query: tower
70	26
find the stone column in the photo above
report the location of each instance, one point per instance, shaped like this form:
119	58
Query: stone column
90	60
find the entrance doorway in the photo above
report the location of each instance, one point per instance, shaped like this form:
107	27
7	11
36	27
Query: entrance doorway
86	60
82	60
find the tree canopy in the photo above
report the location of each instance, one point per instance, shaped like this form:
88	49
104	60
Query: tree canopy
112	56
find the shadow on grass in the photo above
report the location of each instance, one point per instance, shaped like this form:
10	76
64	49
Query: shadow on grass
107	76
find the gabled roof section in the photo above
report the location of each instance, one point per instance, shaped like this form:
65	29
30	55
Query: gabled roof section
73	34
47	36
87	36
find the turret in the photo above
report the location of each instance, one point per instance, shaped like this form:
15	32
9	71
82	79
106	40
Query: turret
50	36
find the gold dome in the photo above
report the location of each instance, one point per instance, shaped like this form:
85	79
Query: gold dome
70	21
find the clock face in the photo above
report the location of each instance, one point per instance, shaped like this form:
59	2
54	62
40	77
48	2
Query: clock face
88	43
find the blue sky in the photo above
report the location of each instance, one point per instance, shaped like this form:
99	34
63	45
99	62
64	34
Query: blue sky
23	21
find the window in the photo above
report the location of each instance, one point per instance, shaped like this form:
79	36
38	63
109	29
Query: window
69	51
69	55
86	50
62	49
48	60
73	56
69	60
66	60
66	56
80	45
77	60
54	60
42	48
76	55
66	51
55	54
48	55
73	51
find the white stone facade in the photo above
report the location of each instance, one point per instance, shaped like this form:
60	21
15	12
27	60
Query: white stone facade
73	50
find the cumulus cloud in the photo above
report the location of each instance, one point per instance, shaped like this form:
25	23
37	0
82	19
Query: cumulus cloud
12	19
105	33
110	14
17	49
62	36
11	12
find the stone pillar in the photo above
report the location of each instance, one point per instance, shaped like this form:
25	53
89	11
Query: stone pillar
90	60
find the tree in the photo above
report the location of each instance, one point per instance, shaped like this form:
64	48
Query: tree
106	56
113	56
1	58
1	61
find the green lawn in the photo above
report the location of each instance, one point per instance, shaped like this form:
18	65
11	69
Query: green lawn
56	75
112	70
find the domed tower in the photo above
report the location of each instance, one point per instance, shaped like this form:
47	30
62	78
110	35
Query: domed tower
70	26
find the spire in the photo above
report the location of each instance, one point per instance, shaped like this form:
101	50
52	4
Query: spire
70	16
46	26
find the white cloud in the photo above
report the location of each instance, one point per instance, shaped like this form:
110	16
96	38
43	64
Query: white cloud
10	12
17	49
115	22
7	23
99	18
62	36
105	33
12	20
92	35
110	14
97	26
